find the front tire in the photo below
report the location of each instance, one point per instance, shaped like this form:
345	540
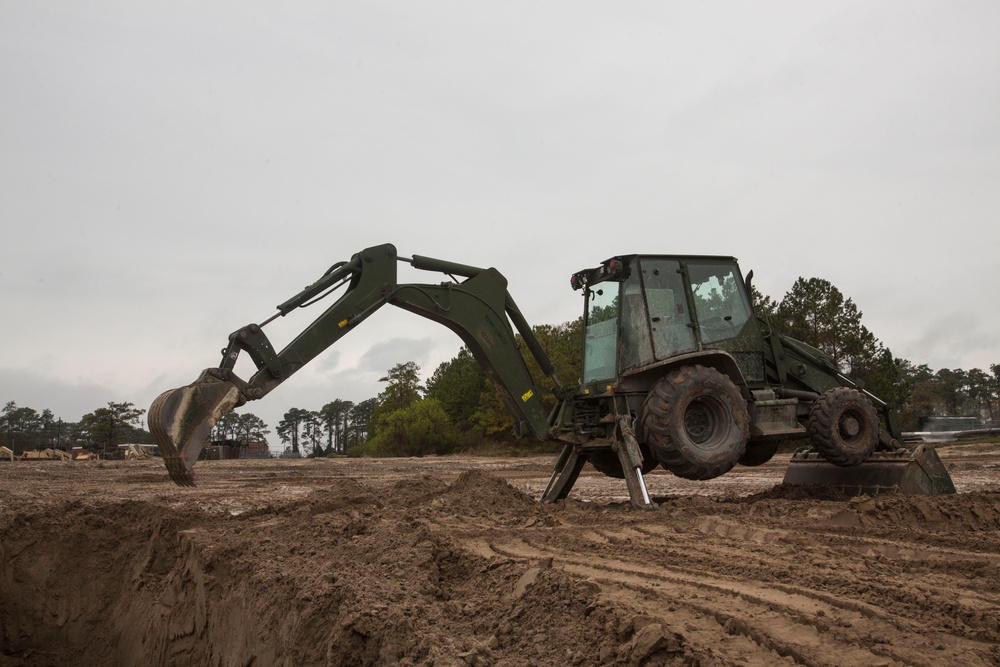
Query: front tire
843	426
696	423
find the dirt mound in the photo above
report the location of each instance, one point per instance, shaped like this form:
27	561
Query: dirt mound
416	491
479	492
957	513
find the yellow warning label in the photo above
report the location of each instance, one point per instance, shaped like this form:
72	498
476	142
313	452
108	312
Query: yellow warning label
527	395
342	324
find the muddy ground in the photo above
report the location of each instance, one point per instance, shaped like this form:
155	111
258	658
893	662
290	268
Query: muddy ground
451	562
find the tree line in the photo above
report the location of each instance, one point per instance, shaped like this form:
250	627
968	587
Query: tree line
332	430
458	409
100	431
104	429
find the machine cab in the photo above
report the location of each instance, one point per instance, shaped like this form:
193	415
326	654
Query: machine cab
645	309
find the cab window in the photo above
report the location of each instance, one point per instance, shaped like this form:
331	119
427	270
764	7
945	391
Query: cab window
669	319
719	299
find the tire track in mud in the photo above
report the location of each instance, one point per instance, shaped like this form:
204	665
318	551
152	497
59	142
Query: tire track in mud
821	547
810	627
742	593
931	578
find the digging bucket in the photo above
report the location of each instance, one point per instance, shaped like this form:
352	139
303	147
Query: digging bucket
181	422
912	472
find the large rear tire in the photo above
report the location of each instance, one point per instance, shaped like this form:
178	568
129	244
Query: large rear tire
695	422
843	426
606	461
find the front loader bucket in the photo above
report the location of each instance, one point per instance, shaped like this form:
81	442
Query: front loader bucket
911	472
181	421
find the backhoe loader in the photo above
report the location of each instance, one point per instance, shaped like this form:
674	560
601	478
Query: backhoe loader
678	372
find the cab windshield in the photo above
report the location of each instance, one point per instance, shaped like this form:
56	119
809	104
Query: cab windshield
601	335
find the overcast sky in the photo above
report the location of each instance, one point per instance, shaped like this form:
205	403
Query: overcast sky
171	171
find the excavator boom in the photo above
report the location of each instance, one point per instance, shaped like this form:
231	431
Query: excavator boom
479	309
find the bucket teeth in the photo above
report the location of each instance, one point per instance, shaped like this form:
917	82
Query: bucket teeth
181	422
178	472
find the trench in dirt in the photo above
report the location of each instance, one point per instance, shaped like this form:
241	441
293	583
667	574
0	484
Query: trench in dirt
303	566
321	576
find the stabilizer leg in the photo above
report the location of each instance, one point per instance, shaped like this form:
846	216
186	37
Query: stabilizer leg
631	460
567	469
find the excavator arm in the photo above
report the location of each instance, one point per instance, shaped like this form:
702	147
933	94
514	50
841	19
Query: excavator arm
478	308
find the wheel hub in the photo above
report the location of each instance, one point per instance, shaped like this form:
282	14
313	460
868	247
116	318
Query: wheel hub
698	422
849	426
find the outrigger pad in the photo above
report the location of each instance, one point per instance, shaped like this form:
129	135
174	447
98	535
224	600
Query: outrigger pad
910	472
181	421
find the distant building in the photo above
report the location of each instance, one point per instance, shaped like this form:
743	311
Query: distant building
235	449
256	450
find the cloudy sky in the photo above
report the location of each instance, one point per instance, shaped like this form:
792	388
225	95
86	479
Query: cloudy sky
170	171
